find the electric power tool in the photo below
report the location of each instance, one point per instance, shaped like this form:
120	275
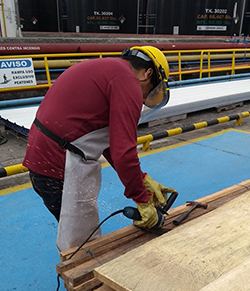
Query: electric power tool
133	213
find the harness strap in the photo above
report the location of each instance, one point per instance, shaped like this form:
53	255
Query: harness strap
63	143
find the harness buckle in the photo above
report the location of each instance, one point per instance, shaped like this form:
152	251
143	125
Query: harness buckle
63	143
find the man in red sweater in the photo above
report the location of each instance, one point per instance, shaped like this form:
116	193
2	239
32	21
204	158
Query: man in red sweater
93	108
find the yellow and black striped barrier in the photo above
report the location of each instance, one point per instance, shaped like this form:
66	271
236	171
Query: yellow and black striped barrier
145	140
12	170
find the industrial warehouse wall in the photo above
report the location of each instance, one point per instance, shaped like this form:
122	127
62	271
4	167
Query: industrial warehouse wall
185	17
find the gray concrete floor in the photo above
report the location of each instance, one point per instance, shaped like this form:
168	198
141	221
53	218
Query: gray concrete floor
13	150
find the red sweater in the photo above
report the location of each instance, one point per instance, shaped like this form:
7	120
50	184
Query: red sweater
86	97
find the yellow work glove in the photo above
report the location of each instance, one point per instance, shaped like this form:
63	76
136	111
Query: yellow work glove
158	190
149	216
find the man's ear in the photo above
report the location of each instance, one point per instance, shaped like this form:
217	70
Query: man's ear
145	75
149	73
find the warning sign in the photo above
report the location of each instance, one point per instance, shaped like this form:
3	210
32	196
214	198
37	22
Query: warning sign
16	73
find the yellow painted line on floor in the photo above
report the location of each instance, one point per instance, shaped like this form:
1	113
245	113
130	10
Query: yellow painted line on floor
15	189
243	131
151	152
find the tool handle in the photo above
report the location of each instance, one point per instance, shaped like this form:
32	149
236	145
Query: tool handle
182	217
170	201
132	213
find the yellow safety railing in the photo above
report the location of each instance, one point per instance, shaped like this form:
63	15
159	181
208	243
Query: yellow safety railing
49	61
228	55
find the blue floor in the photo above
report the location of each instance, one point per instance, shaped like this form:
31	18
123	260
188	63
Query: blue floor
28	255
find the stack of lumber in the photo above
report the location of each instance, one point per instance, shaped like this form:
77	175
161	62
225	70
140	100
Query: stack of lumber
78	272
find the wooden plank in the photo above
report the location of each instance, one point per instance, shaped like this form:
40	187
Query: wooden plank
121	241
104	288
85	271
219	201
238	189
90	286
245	184
118	234
103	240
98	249
238	279
82	273
194	254
86	286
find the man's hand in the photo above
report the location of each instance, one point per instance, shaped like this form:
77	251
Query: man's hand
148	214
157	196
158	191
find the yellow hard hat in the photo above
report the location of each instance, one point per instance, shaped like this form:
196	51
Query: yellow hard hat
159	96
158	59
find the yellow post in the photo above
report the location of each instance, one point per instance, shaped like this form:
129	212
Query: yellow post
242	115
179	64
208	64
146	146
233	63
3	15
238	121
201	64
145	141
47	70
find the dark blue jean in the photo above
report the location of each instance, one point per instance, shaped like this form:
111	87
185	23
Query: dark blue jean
50	190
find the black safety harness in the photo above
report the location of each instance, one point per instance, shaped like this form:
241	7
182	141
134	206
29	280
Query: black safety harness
62	142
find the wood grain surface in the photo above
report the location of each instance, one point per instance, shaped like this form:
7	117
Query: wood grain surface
189	257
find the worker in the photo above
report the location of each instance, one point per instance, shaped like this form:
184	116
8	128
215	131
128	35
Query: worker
93	108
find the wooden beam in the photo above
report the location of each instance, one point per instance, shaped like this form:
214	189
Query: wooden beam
83	272
78	271
118	234
193	255
103	240
236	279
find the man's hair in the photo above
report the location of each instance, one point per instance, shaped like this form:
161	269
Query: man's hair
139	64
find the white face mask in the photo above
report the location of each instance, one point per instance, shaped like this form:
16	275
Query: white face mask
155	100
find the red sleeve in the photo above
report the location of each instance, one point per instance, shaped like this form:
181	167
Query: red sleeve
125	107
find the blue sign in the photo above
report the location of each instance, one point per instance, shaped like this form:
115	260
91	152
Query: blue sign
17	73
15	64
